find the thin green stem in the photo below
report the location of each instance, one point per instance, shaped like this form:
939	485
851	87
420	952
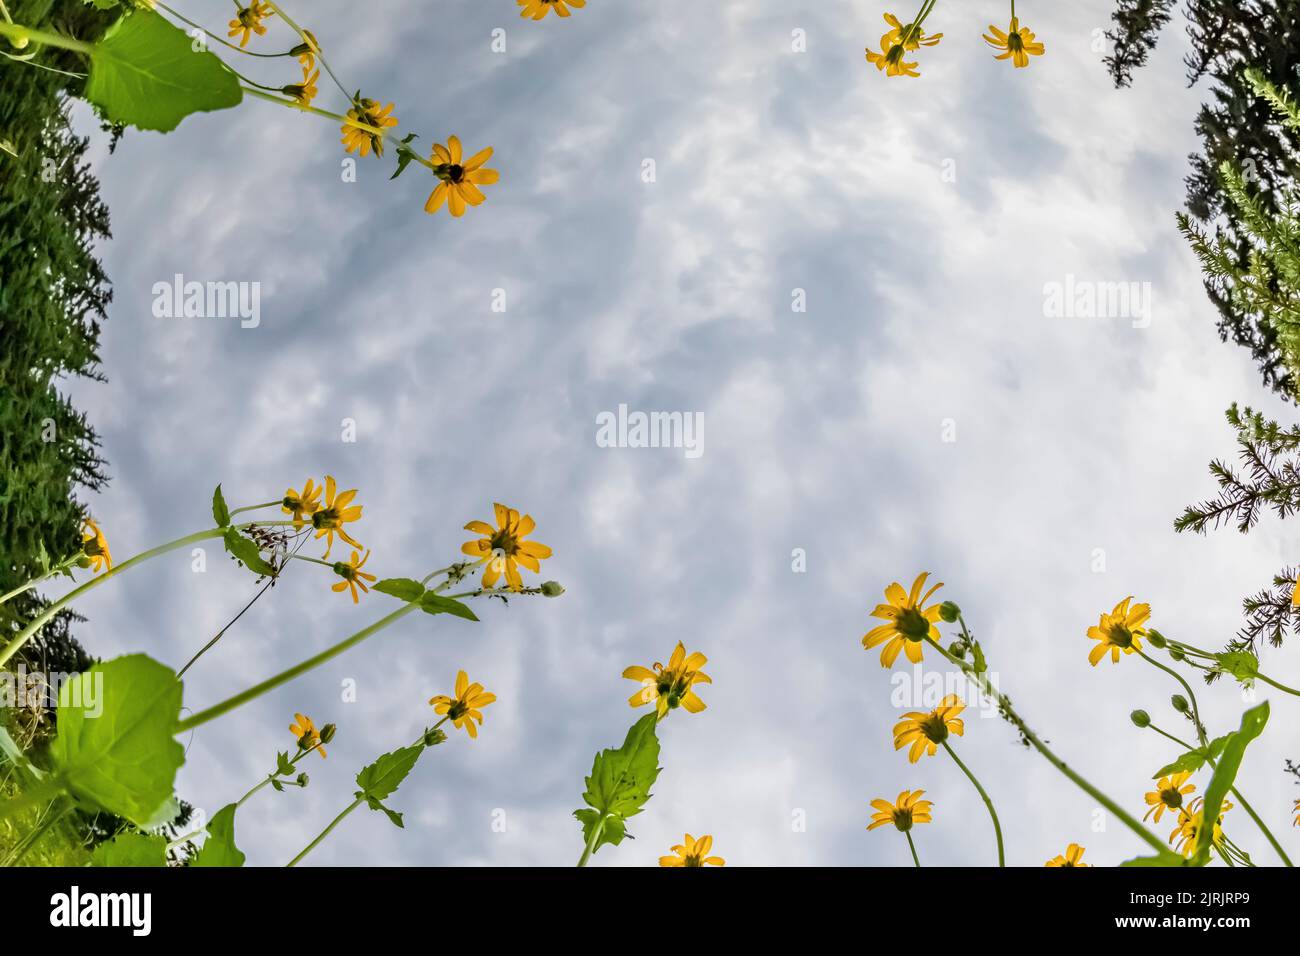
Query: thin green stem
912	846
320	57
220	39
1196	711
591	842
295	105
18	34
997	827
65	563
51	819
1018	722
1282	687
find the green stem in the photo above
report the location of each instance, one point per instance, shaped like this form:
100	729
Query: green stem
18	33
1196	711
912	847
295	105
326	832
65	563
296	671
1018	722
1245	805
26	633
591	842
997	827
51	819
320	56
1282	687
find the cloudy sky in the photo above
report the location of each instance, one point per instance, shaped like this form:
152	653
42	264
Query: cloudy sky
923	413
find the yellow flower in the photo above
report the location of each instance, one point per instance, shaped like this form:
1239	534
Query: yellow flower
910	809
338	510
1297	813
693	853
504	547
307	51
463	709
670	687
890	58
915	39
95	546
1017	44
1295	594
303	93
909	622
1168	795
1190	820
537	9
925	732
352	575
249	21
364	140
459	181
302	506
1120	630
303	727
1073	857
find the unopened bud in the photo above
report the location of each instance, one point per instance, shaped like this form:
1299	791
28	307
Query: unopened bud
949	612
1180	703
302	779
1156	639
552	588
327	733
1140	718
433	737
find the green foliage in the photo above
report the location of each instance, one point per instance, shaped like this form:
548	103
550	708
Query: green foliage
437	604
403	589
219	849
620	783
380	780
1193	760
146	73
1163	858
131	849
246	553
1225	775
123	760
220	513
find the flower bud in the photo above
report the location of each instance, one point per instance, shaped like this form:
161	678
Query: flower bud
949	612
308	46
327	733
433	737
552	588
958	650
306	741
302	779
1176	654
1156	639
1180	703
1140	718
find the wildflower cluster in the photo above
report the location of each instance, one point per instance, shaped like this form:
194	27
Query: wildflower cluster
1016	43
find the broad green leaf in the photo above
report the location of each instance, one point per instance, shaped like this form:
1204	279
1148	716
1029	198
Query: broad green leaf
1163	858
1192	760
246	552
381	779
114	750
145	72
220	513
394	817
402	588
437	604
1225	774
620	784
219	849
101	4
131	849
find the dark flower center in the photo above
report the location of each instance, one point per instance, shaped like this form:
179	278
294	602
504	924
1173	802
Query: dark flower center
912	624
1171	798
935	729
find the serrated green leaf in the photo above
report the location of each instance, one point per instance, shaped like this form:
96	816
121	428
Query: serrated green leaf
402	588
122	759
404	155
219	849
393	816
1243	666
1193	760
283	765
131	849
380	780
220	513
146	73
1225	775
247	553
620	783
437	604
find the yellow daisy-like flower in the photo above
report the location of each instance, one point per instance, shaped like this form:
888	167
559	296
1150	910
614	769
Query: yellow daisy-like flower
916	38
890	58
672	686
910	622
370	113
925	732
909	809
302	506
249	21
95	546
1073	857
307	51
1017	44
1168	795
459	180
693	853
1190	820
337	511
303	93
303	727
463	709
504	547
352	575
538	9
1119	631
